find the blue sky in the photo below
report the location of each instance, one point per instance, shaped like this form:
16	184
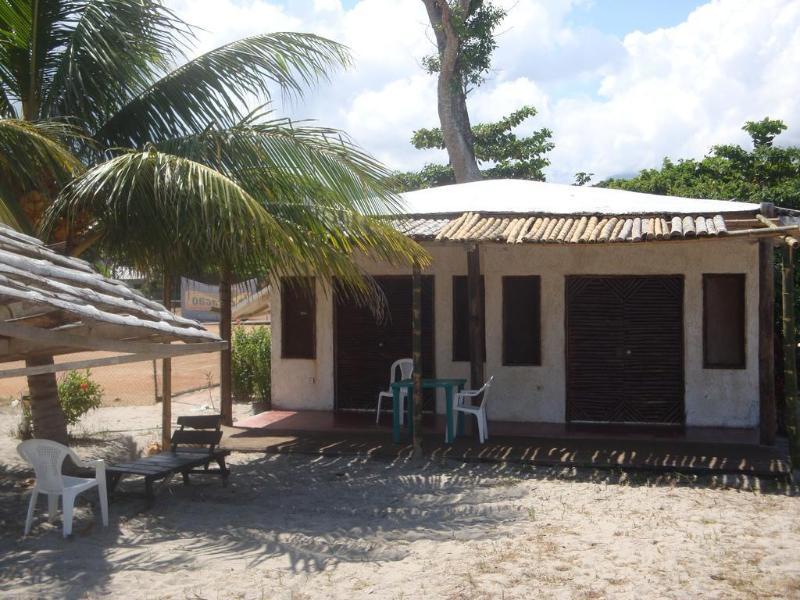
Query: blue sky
619	17
621	83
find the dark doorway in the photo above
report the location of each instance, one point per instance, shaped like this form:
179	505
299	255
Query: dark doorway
625	349
366	348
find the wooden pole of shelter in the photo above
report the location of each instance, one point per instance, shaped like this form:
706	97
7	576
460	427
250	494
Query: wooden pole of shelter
766	337
790	349
166	378
416	354
476	317
225	367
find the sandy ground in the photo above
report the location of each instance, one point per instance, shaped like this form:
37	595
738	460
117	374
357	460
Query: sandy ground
298	527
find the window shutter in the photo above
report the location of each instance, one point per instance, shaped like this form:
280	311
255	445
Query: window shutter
522	320
298	317
724	321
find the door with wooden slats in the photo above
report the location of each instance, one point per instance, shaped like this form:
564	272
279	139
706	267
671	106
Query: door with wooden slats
625	349
365	348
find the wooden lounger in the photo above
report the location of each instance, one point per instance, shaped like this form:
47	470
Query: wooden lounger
192	451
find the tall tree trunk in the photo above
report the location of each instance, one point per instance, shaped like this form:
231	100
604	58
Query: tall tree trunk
225	367
166	378
48	418
452	98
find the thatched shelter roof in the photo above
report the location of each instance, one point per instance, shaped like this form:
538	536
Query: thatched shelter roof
52	304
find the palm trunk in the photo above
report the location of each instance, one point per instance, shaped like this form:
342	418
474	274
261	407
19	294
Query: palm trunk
48	418
225	367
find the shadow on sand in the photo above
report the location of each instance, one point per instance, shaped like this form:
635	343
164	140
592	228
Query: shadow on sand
312	511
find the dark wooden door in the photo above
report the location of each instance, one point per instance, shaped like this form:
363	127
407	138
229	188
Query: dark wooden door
625	349
366	348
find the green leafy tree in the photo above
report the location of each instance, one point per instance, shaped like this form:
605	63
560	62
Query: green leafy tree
464	32
763	173
496	145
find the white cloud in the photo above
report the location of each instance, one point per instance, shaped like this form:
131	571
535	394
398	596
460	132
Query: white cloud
681	90
614	105
379	119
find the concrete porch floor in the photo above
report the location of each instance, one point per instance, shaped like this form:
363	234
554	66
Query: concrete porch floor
688	450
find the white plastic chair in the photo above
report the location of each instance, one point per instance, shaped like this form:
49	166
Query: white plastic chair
47	457
406	368
462	403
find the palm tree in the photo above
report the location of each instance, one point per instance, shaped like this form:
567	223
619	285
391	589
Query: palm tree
181	178
34	165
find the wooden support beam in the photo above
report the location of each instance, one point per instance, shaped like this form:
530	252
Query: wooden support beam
416	354
166	378
770	223
170	351
476	317
225	367
775	231
59	339
790	349
766	338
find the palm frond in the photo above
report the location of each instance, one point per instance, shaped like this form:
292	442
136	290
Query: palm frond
157	211
112	51
214	88
84	58
280	159
315	182
34	159
32	36
7	109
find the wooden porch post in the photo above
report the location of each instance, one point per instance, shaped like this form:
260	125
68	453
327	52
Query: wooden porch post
766	338
166	377
225	371
476	315
790	350
416	354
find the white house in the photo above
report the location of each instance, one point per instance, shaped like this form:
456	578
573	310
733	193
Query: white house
599	306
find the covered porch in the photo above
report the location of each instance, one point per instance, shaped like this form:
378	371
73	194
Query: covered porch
690	450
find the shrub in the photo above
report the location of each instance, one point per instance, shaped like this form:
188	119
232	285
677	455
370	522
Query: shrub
78	394
251	364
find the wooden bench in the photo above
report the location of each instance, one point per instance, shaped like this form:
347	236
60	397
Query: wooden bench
193	448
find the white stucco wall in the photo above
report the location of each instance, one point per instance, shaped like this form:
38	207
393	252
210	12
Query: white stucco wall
713	397
298	382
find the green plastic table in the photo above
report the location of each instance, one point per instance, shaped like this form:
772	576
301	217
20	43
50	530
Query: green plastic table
447	384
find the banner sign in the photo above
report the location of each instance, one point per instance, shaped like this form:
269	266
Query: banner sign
200	301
